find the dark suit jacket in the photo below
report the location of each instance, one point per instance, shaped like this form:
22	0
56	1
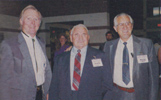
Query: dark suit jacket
145	75
93	85
17	77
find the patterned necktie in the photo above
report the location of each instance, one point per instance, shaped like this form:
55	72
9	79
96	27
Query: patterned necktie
33	41
125	66
77	70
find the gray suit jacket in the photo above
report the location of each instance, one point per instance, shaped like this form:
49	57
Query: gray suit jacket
17	78
145	75
96	82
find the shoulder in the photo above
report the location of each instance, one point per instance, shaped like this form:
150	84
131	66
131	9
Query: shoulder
141	40
12	41
94	52
108	43
144	39
63	56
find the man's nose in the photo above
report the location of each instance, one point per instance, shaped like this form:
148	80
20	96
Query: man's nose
33	22
125	26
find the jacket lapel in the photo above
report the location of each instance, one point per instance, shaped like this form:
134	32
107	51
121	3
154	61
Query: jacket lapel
42	45
66	70
137	51
113	48
25	52
86	68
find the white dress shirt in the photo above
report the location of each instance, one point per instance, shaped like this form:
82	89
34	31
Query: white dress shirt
72	59
40	58
117	76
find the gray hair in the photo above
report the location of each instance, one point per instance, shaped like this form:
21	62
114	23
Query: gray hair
79	25
122	14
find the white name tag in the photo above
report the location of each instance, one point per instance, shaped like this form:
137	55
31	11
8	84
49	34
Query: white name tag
97	62
142	59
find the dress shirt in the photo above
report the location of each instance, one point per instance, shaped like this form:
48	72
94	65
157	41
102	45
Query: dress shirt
118	63
72	59
40	58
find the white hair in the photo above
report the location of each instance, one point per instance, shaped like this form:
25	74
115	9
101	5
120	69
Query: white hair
122	14
79	25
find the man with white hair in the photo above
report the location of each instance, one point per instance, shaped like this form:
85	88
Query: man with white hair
82	73
133	62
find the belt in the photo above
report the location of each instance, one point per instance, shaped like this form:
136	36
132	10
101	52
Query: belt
39	88
130	90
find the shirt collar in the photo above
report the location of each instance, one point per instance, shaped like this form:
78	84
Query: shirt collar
74	49
27	36
128	41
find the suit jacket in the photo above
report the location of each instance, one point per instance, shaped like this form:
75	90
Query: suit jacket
145	75
93	85
17	77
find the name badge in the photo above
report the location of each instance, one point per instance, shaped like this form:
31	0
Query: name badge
97	62
142	59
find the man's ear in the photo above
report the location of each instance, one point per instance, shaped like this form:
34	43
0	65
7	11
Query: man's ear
88	37
71	38
20	21
115	28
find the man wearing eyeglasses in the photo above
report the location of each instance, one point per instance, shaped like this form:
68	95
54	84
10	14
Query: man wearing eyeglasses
133	62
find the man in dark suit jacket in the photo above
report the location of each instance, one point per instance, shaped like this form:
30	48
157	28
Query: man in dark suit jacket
91	80
25	73
137	77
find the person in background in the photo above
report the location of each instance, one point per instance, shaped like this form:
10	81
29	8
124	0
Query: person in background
134	63
83	73
25	72
62	45
109	37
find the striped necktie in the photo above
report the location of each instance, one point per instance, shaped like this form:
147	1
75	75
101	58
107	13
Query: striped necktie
77	71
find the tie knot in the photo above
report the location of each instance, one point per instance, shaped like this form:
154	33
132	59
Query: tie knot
78	50
33	40
125	43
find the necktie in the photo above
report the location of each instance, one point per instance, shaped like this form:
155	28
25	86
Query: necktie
125	66
33	41
77	70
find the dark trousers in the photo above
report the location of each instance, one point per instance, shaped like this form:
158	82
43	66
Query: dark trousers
39	93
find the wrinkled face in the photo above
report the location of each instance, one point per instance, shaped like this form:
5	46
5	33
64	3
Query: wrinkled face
109	37
62	40
80	37
124	27
30	22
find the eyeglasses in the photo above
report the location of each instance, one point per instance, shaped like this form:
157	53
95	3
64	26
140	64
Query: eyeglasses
123	24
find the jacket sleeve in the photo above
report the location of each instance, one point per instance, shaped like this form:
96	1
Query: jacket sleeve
6	70
53	91
154	73
107	80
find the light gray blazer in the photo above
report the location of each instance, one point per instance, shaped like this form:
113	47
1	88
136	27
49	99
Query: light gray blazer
145	75
17	78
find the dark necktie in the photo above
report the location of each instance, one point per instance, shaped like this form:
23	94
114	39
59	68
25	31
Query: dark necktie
77	71
33	41
125	66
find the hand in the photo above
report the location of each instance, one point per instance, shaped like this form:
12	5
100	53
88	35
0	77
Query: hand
68	49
